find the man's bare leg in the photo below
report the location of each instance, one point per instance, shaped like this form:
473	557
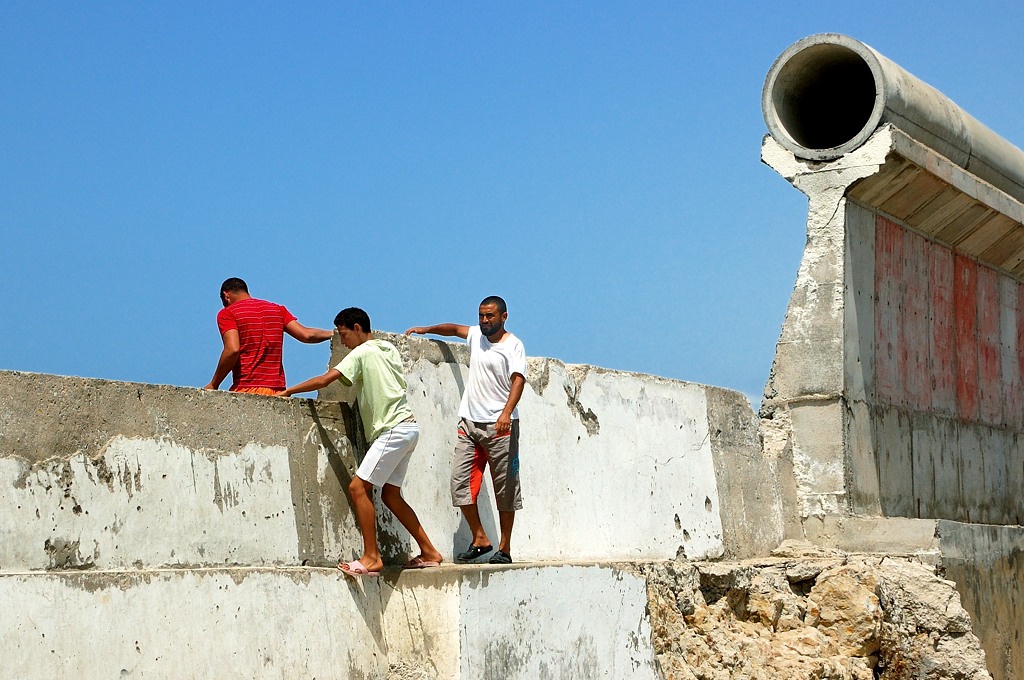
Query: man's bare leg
391	495
472	515
366	517
506	518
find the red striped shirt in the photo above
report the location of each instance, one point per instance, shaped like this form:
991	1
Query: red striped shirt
260	325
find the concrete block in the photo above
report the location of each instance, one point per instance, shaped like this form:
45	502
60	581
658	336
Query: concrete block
970	447
254	623
614	464
862	460
747	478
987	565
101	474
859	308
895	465
897	535
566	621
819	456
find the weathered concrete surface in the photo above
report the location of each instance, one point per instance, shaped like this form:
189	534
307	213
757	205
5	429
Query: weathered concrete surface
453	622
100	474
894	535
896	386
804	613
109	475
615	465
987	565
243	622
898	392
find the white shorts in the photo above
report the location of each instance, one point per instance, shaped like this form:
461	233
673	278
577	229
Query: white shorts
387	459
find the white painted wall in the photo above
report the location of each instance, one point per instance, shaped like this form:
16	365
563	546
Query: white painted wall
642	486
471	623
153	502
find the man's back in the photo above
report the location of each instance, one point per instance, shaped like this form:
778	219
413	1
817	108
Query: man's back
260	325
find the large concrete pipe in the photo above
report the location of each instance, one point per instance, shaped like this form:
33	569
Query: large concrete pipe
827	94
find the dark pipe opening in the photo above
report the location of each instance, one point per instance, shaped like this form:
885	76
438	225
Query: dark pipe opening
823	96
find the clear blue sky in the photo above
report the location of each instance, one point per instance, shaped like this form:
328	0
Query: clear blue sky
597	164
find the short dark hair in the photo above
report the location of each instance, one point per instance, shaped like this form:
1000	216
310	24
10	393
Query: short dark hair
350	316
495	300
234	285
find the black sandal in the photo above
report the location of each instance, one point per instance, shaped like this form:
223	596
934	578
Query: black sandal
500	557
474	552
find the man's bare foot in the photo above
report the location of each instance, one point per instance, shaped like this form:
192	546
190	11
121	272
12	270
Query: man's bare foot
424	562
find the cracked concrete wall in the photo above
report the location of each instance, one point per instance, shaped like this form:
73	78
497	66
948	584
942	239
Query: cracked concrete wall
564	621
195	623
895	391
101	474
615	465
110	475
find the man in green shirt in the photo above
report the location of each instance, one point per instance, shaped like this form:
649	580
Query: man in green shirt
374	367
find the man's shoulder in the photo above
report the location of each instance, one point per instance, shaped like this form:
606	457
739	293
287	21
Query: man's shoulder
512	341
373	346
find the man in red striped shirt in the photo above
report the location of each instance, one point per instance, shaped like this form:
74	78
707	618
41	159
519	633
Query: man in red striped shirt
253	334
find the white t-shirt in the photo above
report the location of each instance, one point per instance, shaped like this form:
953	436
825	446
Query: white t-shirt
491	366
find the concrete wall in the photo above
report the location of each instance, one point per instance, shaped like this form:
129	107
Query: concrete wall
572	622
160	531
896	384
987	565
109	475
942	391
615	465
895	390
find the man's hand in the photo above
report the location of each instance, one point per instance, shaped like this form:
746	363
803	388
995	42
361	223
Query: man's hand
504	424
444	329
210	386
282	393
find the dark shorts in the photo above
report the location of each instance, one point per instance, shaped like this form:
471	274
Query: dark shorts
477	447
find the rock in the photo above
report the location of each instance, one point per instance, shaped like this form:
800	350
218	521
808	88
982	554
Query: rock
853	617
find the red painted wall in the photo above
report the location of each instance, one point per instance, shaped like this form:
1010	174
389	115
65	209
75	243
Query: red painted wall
947	331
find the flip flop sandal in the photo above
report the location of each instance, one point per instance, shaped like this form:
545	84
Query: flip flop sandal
356	568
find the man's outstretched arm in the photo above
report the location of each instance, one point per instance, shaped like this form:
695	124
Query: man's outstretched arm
228	359
445	329
317	383
305	334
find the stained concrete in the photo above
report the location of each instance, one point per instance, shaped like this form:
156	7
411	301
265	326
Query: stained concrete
894	402
615	465
109	475
566	621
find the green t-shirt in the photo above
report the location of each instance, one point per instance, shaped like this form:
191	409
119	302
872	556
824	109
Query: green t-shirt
375	369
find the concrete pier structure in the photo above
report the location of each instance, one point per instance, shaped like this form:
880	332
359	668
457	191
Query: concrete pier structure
896	386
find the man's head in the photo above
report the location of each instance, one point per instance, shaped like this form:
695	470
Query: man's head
353	326
233	289
493	313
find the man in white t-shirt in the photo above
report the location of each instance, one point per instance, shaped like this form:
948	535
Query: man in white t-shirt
374	367
488	434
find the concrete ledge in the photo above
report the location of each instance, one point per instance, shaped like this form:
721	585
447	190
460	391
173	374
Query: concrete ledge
896	535
451	622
